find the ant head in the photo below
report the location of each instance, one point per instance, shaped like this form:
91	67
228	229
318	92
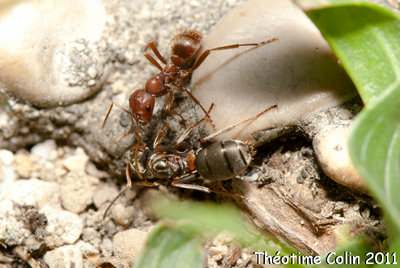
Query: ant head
185	46
142	105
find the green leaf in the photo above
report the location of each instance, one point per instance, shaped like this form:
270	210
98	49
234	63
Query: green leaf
366	37
172	245
213	219
375	150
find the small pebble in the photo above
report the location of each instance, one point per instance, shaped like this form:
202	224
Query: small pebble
12	229
66	256
63	224
23	165
46	150
103	193
86	248
129	244
331	150
123	215
6	157
77	162
77	191
106	247
7	175
91	236
32	192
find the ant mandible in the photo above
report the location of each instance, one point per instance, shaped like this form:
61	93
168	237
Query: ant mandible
185	47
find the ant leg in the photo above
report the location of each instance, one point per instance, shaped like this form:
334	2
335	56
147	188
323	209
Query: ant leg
137	146
188	130
153	47
205	54
229	128
178	183
152	60
169	104
191	187
159	136
199	104
109	111
139	139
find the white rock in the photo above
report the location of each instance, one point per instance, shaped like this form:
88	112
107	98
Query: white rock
65	226
103	193
39	49
106	247
32	192
129	244
24	165
46	150
12	230
77	191
332	152
298	72
7	175
78	161
66	256
123	215
6	157
86	248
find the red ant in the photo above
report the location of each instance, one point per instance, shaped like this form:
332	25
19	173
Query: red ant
185	47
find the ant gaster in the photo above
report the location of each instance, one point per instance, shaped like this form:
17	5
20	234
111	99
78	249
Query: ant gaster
185	47
216	161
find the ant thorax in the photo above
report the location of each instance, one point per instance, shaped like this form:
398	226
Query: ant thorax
161	165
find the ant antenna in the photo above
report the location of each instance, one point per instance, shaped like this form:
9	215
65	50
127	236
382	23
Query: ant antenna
128	186
189	129
229	128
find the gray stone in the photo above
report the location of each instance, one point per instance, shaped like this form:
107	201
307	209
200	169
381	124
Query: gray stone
298	72
63	62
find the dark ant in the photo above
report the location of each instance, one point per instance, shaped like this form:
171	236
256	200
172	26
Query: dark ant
216	161
185	47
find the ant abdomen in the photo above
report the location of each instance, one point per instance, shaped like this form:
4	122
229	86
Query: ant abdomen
223	160
185	46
